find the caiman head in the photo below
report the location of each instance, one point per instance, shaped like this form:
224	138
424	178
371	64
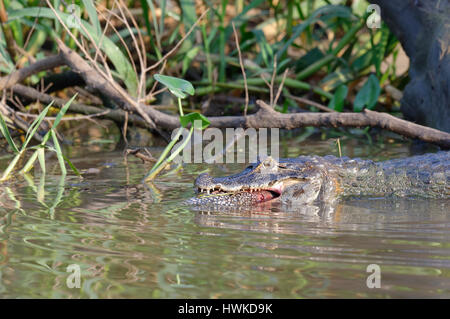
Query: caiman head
266	180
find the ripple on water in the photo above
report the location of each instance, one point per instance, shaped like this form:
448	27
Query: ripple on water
138	241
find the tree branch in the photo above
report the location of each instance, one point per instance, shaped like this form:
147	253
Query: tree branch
116	115
266	117
21	74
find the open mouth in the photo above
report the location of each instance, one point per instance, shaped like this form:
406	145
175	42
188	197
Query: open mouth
255	195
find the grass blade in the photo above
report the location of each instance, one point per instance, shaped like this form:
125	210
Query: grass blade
58	118
117	57
30	163
92	12
58	152
5	132
72	167
41	157
35	125
9	169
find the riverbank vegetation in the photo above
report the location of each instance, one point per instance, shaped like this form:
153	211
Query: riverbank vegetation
314	63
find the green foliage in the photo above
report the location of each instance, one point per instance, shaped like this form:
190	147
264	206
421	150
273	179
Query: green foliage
334	42
326	46
338	99
123	66
368	95
191	118
177	87
39	150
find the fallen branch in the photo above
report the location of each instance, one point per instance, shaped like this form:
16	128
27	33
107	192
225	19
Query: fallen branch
116	115
266	117
21	74
108	87
138	153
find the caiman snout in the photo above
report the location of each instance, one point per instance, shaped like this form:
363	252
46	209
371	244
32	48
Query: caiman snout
204	180
257	183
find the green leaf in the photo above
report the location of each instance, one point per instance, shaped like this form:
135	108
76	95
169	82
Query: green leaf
118	59
58	118
35	125
192	118
58	152
41	158
337	101
5	132
309	58
323	13
74	169
30	163
368	95
9	169
176	86
190	55
92	12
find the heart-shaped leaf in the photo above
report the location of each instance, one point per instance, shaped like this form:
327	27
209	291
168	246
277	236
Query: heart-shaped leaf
177	87
198	120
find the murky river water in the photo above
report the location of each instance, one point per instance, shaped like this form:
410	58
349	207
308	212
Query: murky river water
132	241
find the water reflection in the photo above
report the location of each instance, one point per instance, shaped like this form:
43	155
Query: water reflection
138	241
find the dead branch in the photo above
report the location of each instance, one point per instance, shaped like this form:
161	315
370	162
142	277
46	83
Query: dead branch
264	118
138	153
107	86
267	117
21	74
116	115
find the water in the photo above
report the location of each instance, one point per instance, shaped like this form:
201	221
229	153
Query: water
133	241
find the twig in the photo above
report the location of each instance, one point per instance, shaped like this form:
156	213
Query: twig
242	69
125	128
309	102
107	86
74	118
137	152
114	115
280	88
141	52
178	44
272	82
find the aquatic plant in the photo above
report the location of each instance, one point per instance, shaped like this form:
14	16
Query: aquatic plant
39	150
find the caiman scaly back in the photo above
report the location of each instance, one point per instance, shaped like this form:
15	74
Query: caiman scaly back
308	179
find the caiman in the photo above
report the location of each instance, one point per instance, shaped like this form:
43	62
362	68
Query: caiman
311	179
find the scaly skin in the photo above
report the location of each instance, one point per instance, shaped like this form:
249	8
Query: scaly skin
309	179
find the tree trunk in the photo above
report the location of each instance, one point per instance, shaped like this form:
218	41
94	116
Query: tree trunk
423	28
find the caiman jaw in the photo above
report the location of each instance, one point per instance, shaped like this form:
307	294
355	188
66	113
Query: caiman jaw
258	183
258	194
